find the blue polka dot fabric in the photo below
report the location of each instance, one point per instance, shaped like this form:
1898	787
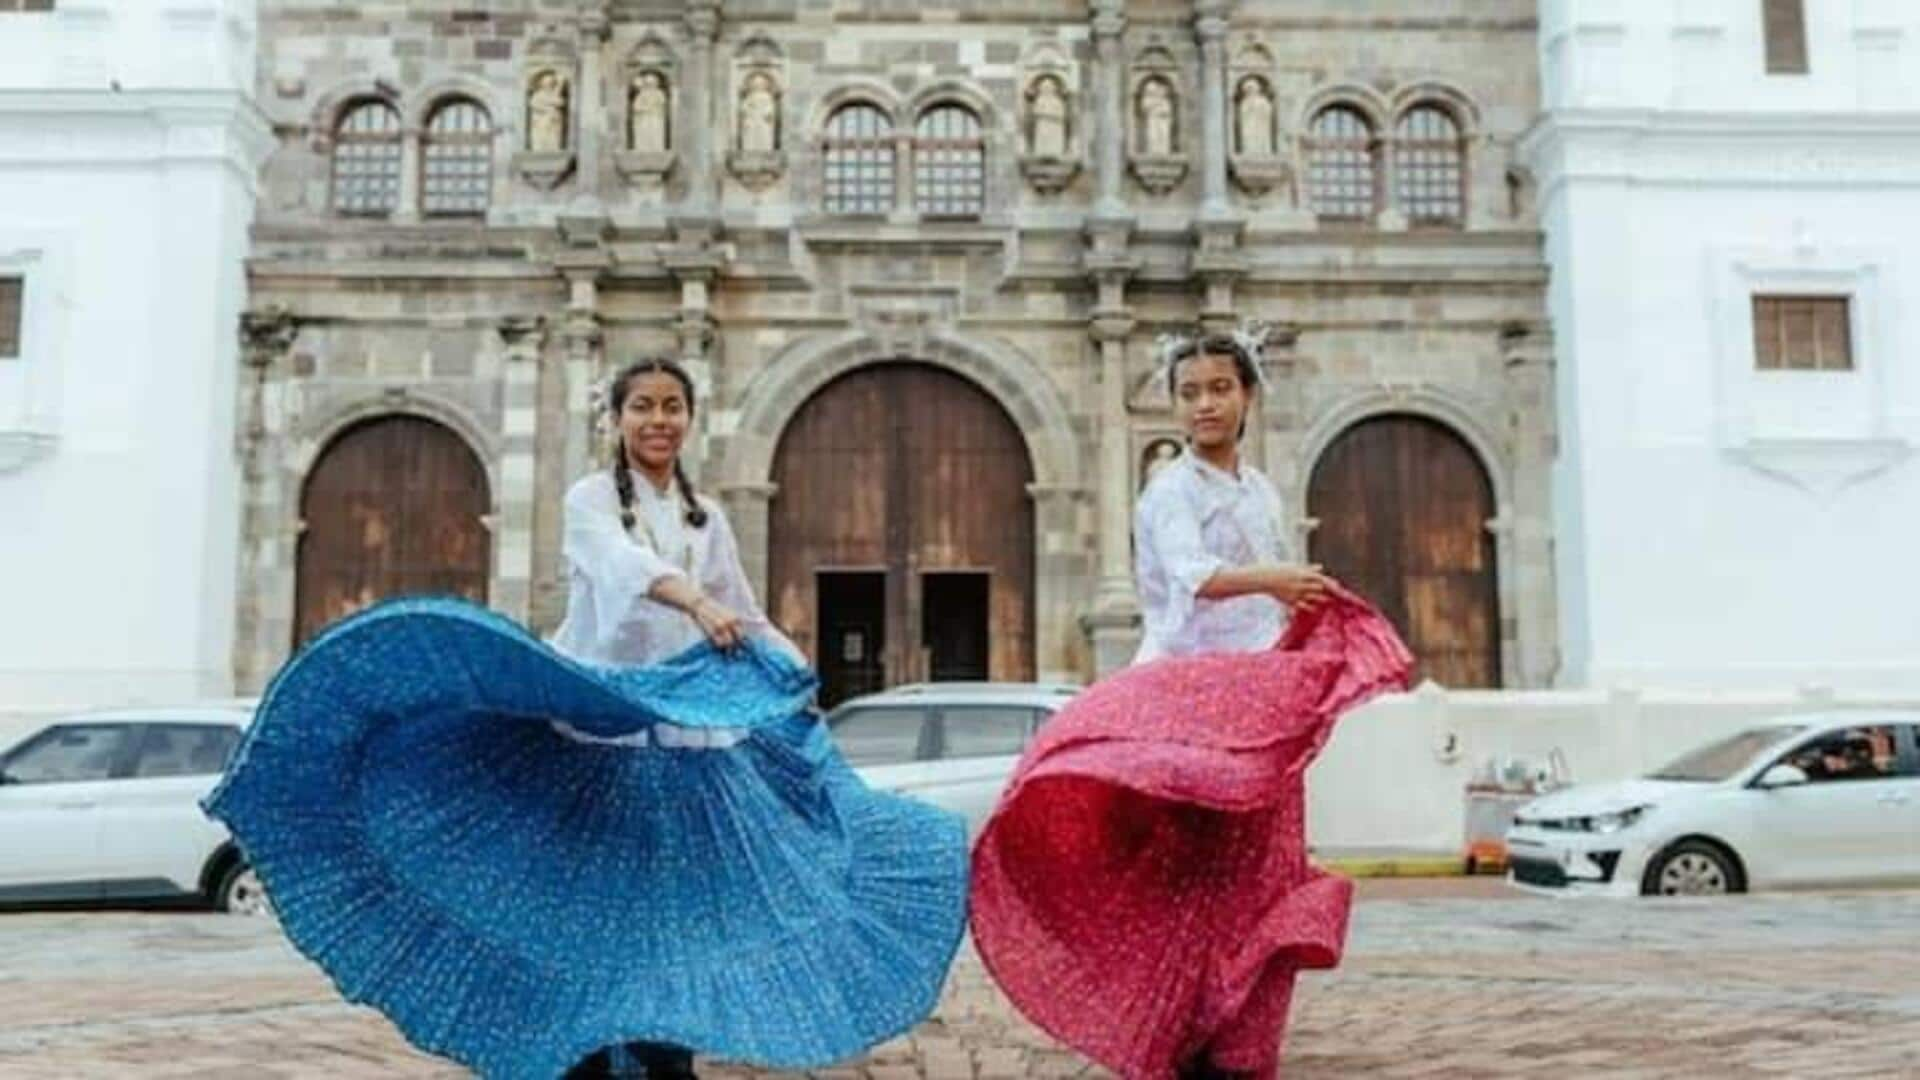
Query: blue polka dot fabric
515	899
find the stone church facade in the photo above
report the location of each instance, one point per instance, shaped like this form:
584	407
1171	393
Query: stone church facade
916	257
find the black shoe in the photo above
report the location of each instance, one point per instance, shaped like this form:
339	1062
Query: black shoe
663	1062
595	1066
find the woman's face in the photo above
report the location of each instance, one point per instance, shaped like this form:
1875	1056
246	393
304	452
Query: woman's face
654	419
1210	400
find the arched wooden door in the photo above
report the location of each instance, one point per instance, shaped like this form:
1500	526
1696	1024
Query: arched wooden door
901	534
1403	505
394	505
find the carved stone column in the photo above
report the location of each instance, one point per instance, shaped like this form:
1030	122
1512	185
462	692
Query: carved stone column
1109	23
1210	27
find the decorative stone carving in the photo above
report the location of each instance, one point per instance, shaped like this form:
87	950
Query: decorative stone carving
649	155
648	128
1052	156
757	159
1256	163
1253	118
549	100
1156	151
1256	157
759	115
548	157
1155	104
1159	454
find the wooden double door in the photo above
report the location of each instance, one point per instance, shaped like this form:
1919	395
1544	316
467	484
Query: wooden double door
901	539
1403	507
395	505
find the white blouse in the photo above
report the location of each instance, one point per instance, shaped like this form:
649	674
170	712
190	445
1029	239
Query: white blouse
610	618
1194	520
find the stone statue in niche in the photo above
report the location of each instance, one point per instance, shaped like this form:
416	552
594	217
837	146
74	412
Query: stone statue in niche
547	113
1159	455
1156	118
1049	119
1253	118
647	130
759	115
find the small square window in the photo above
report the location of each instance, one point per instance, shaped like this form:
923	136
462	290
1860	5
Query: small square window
1784	23
1802	333
12	289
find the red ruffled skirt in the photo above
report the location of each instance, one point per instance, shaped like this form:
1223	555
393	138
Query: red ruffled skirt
1142	891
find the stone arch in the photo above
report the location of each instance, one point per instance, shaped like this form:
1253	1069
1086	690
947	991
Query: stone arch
313	437
1456	102
1011	377
420	104
332	105
1474	430
1008	376
1354	95
855	91
955	92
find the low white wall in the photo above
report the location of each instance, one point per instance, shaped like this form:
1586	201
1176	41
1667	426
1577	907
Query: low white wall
1394	775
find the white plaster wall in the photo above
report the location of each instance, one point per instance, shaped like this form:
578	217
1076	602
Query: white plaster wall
129	144
1384	784
1720	528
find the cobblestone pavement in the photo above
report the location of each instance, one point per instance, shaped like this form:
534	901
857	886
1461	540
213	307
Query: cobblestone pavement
1449	979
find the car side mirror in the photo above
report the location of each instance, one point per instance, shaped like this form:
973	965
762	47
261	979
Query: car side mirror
1783	776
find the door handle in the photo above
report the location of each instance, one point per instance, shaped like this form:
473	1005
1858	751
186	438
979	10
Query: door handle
75	806
1896	800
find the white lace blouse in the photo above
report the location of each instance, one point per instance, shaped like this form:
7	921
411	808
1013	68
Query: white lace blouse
610	618
1192	521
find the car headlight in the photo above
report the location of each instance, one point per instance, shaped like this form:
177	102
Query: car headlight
1615	821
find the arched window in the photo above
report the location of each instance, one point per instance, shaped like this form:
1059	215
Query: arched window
456	175
366	159
949	163
858	161
1429	171
1343	166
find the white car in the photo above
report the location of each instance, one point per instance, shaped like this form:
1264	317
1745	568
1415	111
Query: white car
951	744
106	806
1806	801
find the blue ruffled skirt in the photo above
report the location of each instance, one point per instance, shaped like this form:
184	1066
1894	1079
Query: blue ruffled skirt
515	899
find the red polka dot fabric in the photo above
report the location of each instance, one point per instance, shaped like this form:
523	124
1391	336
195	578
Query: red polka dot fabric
1143	891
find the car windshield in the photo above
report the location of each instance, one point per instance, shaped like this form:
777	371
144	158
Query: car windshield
1718	761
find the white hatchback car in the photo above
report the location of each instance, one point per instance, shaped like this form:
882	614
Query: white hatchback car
106	806
951	744
1806	801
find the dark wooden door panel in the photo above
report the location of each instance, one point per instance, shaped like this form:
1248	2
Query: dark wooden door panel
1403	505
914	470
394	505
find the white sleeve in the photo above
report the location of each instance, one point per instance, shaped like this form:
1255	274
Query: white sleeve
728	584
1169	532
619	568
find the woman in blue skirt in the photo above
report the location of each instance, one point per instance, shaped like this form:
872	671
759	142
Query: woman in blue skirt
629	846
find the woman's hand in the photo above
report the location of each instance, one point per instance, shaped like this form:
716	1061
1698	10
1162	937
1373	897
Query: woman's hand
721	625
1301	587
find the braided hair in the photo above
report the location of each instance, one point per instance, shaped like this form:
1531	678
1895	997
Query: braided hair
1215	345
622	472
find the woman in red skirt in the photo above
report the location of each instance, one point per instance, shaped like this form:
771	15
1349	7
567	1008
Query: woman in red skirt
1143	892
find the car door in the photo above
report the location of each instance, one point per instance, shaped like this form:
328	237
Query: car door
51	789
1903	802
1840	826
891	746
978	747
154	838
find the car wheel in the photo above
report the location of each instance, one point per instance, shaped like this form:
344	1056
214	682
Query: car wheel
1692	868
240	892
